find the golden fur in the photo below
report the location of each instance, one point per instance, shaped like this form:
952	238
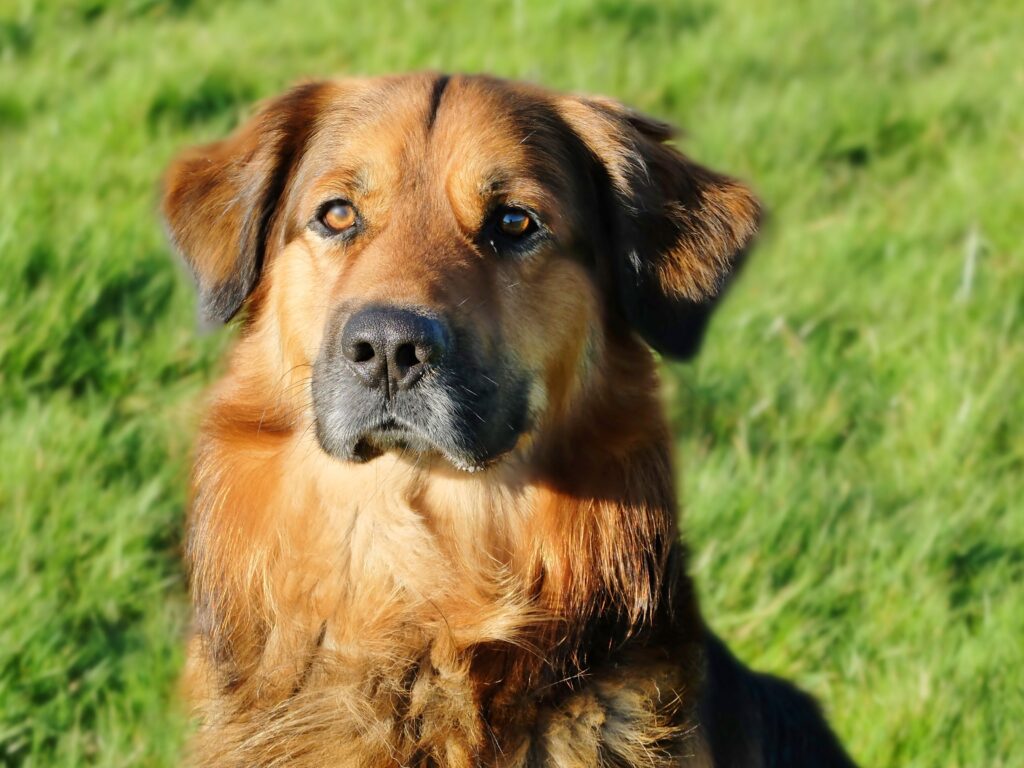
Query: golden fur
402	611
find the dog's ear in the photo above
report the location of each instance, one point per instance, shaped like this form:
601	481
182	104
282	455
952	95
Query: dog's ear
681	229
220	200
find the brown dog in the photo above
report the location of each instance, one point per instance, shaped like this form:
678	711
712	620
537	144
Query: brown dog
433	520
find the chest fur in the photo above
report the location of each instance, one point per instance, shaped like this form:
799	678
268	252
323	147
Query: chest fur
383	620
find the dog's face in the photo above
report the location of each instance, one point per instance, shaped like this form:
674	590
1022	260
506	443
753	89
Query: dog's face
453	257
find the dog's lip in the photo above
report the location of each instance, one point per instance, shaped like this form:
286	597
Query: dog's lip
389	428
391	433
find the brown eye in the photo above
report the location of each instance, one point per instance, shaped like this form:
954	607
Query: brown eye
337	216
514	222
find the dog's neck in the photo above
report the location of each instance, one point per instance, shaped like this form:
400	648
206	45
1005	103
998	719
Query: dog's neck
405	584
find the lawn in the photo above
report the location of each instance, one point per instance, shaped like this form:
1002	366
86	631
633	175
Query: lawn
850	442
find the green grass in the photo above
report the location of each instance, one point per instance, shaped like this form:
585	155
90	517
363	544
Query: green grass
850	440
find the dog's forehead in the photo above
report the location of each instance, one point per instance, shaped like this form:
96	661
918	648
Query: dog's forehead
475	127
431	104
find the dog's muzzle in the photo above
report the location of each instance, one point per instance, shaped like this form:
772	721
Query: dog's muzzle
399	378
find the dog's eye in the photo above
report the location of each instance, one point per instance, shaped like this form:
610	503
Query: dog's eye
515	222
337	216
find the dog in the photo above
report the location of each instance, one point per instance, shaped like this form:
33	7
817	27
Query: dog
433	513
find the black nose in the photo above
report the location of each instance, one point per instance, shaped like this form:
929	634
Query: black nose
392	347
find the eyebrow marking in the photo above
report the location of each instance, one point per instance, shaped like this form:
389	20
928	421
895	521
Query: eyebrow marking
493	183
435	98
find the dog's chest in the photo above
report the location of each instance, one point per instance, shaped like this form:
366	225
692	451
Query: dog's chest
354	709
377	606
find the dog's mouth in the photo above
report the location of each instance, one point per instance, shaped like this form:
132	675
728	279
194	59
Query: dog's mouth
390	435
393	435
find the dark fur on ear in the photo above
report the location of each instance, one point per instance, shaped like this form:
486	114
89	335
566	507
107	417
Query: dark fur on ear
220	200
681	230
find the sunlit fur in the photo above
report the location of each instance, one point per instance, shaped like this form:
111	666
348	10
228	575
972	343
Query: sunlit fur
401	611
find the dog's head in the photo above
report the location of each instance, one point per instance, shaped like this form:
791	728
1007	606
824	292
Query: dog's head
453	256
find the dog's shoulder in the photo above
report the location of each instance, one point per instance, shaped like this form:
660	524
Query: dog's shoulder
753	719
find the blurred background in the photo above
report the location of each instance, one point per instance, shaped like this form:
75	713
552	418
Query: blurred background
849	441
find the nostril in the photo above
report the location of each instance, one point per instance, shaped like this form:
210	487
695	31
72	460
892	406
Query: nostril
424	353
406	356
362	351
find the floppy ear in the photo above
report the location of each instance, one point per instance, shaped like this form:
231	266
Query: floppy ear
220	200
681	228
